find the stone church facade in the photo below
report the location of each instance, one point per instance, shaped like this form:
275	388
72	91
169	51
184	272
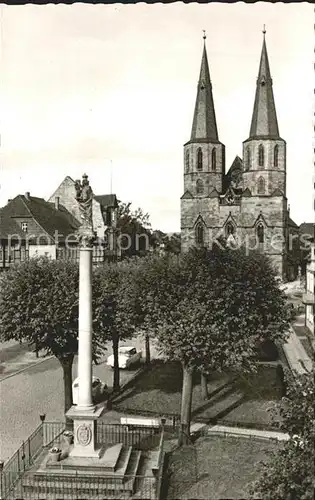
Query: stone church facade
247	204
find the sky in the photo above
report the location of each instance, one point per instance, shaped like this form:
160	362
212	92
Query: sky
109	90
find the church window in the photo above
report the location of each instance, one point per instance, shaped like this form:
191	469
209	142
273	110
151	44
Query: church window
214	159
261	185
229	229
187	160
261	156
275	155
200	234
260	233
248	158
24	226
200	186
199	159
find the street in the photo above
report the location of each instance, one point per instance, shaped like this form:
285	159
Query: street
39	389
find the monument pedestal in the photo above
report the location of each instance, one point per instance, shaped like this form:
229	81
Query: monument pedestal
84	431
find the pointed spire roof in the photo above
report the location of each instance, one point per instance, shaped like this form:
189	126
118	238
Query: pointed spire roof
204	122
264	120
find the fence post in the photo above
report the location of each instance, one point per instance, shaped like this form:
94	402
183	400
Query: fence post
29	451
1	480
42	417
23	455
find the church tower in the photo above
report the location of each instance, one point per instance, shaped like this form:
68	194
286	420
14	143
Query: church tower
264	173
204	160
204	165
264	152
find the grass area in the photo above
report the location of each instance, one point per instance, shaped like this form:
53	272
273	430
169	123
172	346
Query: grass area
217	468
158	392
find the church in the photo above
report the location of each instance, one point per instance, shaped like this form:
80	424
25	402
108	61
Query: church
247	204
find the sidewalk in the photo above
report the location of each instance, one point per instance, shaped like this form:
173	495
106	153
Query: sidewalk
248	433
296	355
16	357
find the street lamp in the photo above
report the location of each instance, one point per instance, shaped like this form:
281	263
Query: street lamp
42	416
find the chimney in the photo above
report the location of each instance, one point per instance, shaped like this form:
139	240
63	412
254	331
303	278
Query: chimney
57	202
27	195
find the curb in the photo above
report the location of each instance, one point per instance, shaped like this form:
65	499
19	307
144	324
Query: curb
26	368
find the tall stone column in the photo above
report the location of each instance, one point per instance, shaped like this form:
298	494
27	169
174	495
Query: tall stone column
85	414
85	329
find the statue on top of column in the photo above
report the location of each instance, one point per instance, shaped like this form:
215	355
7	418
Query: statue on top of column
84	196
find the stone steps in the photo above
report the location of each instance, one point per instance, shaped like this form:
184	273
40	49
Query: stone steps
120	481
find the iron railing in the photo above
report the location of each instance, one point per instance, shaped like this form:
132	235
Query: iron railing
17	481
140	437
77	487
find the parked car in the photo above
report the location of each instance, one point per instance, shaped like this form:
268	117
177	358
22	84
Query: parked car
99	389
127	356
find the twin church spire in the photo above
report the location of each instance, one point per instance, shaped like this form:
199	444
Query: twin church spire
204	122
264	122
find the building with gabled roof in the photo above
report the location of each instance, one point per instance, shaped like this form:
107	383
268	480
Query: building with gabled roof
246	204
31	226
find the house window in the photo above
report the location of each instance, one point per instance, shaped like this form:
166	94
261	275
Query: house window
229	229
261	156
214	159
260	233
275	156
24	226
200	234
187	159
248	158
199	187
261	185
199	159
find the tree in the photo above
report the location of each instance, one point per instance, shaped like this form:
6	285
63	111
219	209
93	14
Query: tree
39	304
113	308
209	309
289	474
135	228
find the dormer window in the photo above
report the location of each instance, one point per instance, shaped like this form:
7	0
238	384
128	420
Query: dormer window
229	229
24	226
275	155
199	159
261	233
262	81
248	158
261	185
213	160
187	160
200	235
261	156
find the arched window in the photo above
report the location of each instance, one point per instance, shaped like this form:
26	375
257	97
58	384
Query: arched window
261	185
187	160
199	187
200	234
213	160
199	159
275	155
229	229
260	233
248	158
261	156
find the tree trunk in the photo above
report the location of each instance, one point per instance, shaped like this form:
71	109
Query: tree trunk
116	376
184	433
147	350
204	386
66	363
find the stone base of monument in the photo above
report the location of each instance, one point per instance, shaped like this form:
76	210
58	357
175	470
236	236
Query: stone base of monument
119	472
84	431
